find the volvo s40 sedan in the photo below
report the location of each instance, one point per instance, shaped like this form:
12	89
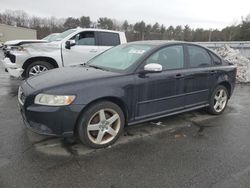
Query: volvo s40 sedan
128	84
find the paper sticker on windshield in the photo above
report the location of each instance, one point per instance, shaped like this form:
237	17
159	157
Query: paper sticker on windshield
133	51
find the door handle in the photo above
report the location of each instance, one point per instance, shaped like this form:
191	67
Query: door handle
213	72
93	50
179	75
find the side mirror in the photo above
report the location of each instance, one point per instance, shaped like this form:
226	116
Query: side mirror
153	67
69	43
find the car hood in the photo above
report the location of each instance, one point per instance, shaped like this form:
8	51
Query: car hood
67	76
20	42
42	47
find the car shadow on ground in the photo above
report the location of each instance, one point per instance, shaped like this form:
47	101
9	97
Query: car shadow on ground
176	127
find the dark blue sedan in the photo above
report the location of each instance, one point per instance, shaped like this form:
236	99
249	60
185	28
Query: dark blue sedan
128	84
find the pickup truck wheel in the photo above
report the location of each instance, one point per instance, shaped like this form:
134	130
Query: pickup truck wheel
101	124
218	101
37	67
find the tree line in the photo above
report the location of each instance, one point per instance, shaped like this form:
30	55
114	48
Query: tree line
137	31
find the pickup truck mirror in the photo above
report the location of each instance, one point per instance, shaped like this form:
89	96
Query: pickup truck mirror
153	67
69	43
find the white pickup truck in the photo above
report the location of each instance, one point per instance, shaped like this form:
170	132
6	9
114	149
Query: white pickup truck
72	47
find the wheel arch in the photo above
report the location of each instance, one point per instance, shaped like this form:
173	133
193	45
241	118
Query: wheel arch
40	58
228	86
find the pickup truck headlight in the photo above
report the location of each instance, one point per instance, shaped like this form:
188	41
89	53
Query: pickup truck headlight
54	100
17	48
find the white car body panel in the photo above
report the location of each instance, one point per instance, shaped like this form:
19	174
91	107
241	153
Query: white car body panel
12	68
15	42
79	54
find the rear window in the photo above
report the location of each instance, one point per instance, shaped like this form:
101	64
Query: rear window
216	59
108	39
198	57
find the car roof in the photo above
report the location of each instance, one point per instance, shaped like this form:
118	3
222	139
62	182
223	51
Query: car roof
159	43
96	29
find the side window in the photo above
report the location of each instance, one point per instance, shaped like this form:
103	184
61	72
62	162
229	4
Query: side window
85	38
198	57
216	59
170	57
108	39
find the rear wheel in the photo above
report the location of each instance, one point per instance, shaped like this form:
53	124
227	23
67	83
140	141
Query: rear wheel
101	124
37	67
218	101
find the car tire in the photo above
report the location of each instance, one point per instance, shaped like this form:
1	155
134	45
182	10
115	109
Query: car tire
37	67
218	100
101	124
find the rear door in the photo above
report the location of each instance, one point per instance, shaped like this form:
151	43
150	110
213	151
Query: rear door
198	77
162	92
107	40
85	48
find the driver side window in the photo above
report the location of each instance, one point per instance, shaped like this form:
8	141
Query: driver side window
170	57
85	38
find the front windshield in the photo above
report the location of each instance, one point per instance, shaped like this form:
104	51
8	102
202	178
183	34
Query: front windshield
64	34
120	57
51	37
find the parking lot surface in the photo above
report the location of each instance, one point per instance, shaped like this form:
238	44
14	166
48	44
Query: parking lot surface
188	150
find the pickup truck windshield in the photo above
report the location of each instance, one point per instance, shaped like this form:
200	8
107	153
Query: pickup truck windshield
64	34
120	57
51	37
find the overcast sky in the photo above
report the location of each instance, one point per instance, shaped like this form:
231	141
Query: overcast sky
196	13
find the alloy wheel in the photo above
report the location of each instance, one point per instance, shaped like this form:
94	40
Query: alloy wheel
103	126
220	100
37	69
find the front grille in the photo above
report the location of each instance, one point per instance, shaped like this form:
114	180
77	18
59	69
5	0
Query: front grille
10	56
4	52
21	96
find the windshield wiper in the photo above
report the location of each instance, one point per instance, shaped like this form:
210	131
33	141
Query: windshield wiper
94	66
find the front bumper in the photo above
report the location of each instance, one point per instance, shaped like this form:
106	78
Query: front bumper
13	69
50	120
47	120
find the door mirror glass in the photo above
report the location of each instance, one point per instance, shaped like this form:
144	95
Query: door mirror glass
70	43
153	67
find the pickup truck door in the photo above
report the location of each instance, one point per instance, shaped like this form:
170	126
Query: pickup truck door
85	49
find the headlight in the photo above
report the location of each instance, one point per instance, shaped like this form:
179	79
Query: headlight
17	48
54	100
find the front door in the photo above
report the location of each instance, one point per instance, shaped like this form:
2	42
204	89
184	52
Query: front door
85	48
161	93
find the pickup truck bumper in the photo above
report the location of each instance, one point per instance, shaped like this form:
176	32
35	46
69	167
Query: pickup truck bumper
13	69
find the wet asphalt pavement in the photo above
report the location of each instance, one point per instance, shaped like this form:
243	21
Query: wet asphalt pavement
189	150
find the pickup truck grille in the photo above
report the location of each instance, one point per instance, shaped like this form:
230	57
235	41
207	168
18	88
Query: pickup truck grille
10	56
21	96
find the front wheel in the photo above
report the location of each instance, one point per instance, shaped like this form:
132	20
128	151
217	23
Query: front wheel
101	124
218	101
37	67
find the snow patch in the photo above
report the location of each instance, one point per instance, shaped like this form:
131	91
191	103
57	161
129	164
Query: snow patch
235	57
